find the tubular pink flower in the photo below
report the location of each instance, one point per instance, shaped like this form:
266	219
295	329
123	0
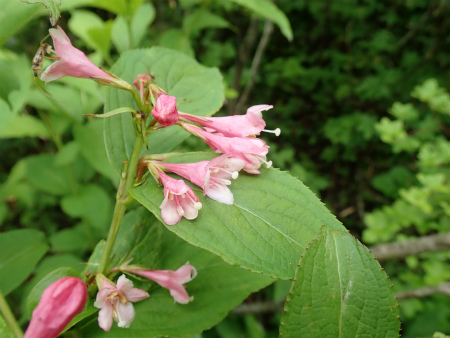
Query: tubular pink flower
247	125
72	61
179	200
212	176
165	111
60	302
251	150
172	280
115	302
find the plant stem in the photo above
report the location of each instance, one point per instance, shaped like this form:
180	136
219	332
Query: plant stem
122	200
9	317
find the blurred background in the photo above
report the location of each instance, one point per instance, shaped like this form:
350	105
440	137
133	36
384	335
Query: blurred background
360	90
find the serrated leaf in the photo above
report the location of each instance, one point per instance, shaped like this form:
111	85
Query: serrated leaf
340	290
271	222
198	91
20	251
268	10
52	7
160	316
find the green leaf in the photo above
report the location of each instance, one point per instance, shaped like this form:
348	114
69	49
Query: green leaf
92	204
35	295
45	175
177	74
5	331
89	138
178	40
268	10
23	126
52	7
20	251
160	316
14	15
340	290
273	217
201	19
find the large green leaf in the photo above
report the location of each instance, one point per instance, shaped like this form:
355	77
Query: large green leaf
227	286
273	218
20	251
340	290
52	7
198	91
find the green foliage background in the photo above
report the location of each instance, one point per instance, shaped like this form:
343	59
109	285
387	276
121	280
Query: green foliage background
359	88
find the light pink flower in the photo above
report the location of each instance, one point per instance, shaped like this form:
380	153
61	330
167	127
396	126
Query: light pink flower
250	124
212	176
172	280
165	111
179	200
252	150
60	302
72	61
115	302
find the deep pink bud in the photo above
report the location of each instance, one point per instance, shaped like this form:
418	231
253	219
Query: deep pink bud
165	111
60	302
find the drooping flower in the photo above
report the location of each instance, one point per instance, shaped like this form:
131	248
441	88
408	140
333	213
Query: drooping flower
179	200
252	150
60	302
172	280
115	302
165	111
247	125
72	61
212	176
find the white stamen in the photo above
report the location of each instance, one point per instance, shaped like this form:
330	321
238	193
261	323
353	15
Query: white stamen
198	205
268	164
234	175
277	131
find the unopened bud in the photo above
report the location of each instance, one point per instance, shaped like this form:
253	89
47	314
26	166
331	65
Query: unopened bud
165	111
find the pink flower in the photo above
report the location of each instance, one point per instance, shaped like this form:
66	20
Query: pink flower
212	176
250	124
165	111
115	302
60	302
251	150
72	61
179	200
172	280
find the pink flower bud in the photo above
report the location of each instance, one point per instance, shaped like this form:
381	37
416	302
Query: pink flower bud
60	302
165	111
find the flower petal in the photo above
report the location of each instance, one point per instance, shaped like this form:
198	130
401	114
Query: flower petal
125	314
105	317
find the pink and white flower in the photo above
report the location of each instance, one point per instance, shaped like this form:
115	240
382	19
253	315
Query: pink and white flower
115	302
247	125
251	150
212	176
179	200
72	61
172	280
60	302
165	111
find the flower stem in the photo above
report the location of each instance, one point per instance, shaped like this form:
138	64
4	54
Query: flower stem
9	317
122	200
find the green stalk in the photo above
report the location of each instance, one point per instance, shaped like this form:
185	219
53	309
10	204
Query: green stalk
9	317
123	199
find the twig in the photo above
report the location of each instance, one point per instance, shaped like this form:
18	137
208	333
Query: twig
268	29
443	288
397	250
244	50
277	307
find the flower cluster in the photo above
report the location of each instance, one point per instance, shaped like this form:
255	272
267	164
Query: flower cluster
233	136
